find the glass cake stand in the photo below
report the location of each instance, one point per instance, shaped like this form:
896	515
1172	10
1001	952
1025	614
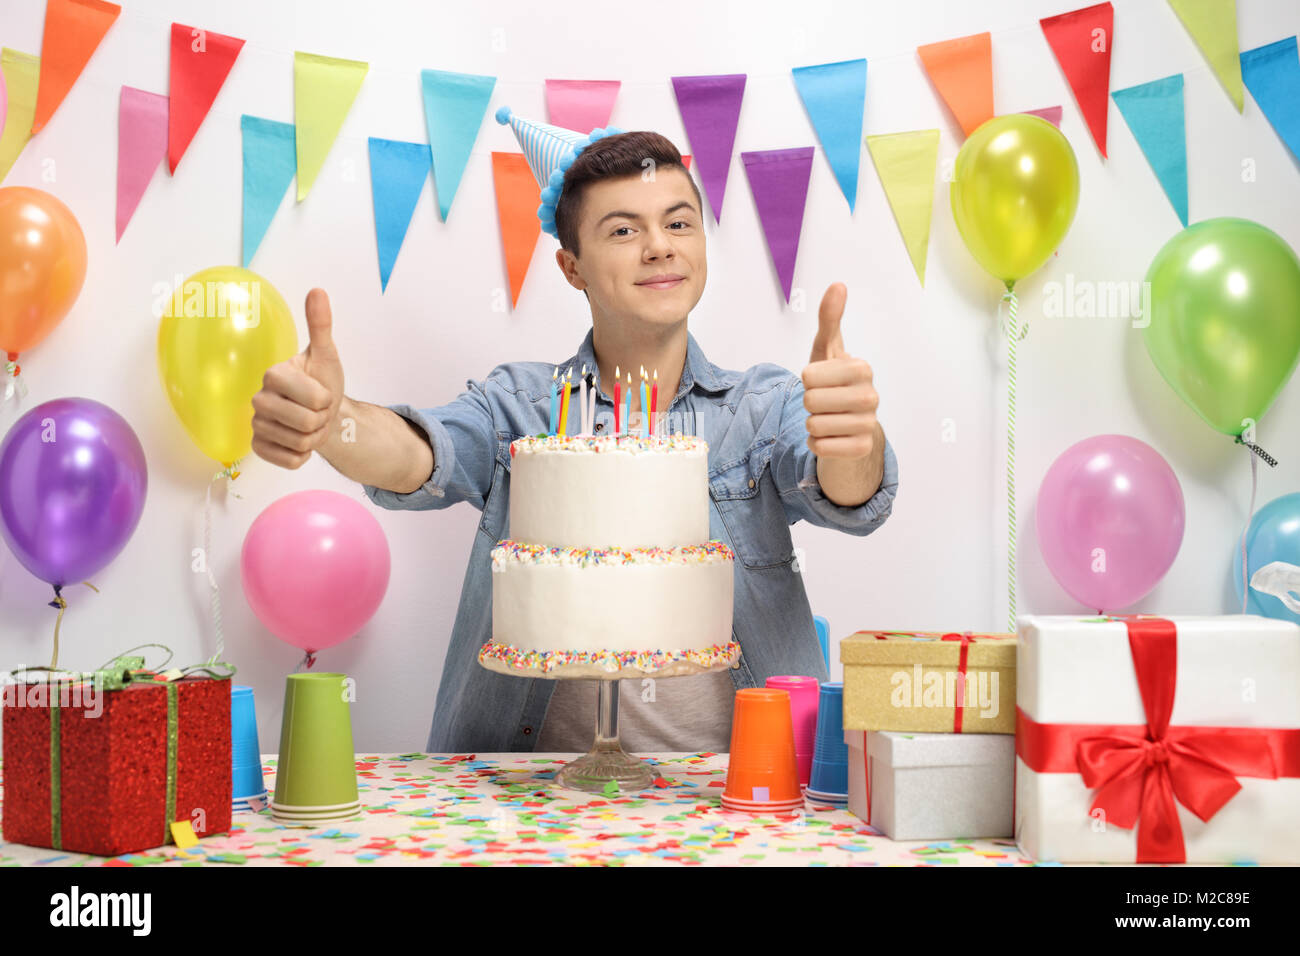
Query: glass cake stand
607	761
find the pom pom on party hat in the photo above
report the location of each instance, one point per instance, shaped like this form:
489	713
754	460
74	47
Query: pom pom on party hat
550	151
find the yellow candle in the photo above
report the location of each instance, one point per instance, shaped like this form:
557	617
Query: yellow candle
564	401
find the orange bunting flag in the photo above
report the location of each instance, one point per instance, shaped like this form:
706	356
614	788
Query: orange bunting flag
962	71
73	31
518	197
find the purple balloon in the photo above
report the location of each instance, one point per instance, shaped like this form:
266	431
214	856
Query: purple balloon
1110	520
72	488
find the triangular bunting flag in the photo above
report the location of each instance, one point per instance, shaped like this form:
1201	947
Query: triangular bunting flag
906	164
454	105
4	101
1272	74
834	95
200	62
518	196
1213	25
710	108
22	73
1050	113
397	174
141	146
778	178
270	160
581	105
962	71
1154	112
324	89
73	29
1082	41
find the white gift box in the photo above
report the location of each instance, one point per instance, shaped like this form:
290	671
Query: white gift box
1235	671
931	786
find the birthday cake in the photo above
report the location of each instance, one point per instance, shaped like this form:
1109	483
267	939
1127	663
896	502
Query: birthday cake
609	570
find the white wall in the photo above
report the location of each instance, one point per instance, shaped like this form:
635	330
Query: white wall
928	567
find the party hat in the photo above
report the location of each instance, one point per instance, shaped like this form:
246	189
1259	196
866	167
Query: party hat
550	151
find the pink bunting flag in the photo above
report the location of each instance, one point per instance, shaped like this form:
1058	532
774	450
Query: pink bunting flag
580	105
710	108
141	146
1050	113
778	179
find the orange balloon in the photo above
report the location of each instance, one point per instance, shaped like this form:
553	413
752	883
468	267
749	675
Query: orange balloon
42	266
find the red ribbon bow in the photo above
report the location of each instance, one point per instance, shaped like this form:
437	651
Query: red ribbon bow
1139	772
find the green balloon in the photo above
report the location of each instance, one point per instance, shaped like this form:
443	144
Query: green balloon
1224	319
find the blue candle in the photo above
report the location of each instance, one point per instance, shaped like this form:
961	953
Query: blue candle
555	401
627	407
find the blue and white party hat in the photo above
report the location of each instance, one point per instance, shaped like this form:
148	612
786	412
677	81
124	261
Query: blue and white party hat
550	151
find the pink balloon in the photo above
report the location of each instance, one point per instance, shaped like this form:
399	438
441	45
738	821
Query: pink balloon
315	567
1110	520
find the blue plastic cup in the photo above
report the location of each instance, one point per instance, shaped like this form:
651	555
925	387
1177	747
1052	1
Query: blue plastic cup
245	755
830	768
823	637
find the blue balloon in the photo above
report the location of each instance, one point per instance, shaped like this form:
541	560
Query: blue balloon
1274	535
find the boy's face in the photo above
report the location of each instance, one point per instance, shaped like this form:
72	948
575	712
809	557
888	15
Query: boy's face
631	231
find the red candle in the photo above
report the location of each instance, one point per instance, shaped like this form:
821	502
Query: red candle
654	401
618	389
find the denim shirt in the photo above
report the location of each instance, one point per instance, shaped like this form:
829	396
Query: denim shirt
762	478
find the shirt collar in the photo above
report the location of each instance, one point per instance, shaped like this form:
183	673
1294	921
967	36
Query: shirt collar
698	372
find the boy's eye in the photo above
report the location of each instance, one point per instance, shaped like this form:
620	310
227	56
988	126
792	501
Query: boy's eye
620	229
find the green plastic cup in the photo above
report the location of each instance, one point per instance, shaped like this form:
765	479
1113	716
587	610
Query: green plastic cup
316	778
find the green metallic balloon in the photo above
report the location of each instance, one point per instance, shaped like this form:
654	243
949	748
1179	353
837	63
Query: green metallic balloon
1224	320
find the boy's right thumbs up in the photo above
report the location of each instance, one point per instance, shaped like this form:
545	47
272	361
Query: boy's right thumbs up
294	413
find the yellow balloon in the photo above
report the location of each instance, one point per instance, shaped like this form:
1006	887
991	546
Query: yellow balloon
1014	193
221	330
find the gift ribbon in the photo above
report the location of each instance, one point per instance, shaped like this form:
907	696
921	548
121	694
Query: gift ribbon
1139	770
118	673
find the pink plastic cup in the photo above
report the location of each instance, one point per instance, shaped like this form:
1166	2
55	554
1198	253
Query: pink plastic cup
804	695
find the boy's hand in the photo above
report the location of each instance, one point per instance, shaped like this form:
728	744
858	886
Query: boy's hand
838	391
295	411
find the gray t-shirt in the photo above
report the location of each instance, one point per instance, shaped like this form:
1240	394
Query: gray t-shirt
684	714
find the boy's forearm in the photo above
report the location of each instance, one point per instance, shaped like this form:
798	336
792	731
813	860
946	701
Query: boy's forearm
375	446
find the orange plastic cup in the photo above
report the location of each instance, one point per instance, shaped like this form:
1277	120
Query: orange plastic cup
762	769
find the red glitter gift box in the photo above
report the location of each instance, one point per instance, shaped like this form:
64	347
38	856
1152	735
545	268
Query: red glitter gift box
118	767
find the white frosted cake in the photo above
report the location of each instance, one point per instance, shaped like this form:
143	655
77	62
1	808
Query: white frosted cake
609	570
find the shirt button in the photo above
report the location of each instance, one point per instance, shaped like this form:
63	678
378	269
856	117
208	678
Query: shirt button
528	730
751	482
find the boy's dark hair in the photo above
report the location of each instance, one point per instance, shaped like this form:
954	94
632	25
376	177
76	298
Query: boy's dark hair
612	157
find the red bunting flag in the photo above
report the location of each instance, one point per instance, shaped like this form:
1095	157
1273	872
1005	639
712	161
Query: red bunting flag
201	61
1082	43
73	30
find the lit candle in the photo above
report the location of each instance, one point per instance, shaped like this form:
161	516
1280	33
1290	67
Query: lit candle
564	402
555	400
618	396
591	409
654	402
645	406
627	409
582	400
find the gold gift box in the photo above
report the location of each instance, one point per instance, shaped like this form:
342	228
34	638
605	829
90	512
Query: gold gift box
907	681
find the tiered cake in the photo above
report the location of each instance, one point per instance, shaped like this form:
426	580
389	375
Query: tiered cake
609	570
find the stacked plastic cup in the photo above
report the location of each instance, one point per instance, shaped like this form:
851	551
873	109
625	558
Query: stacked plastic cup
830	769
245	755
823	637
762	773
804	692
316	780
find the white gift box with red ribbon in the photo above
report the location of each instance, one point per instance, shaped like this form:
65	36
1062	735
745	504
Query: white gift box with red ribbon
931	786
1158	740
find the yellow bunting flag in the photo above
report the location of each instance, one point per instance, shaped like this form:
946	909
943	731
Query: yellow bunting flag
1214	28
323	91
906	164
22	73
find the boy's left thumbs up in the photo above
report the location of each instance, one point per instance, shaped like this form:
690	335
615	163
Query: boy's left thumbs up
829	344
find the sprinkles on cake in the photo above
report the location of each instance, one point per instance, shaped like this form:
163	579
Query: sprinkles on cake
609	660
587	444
518	552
